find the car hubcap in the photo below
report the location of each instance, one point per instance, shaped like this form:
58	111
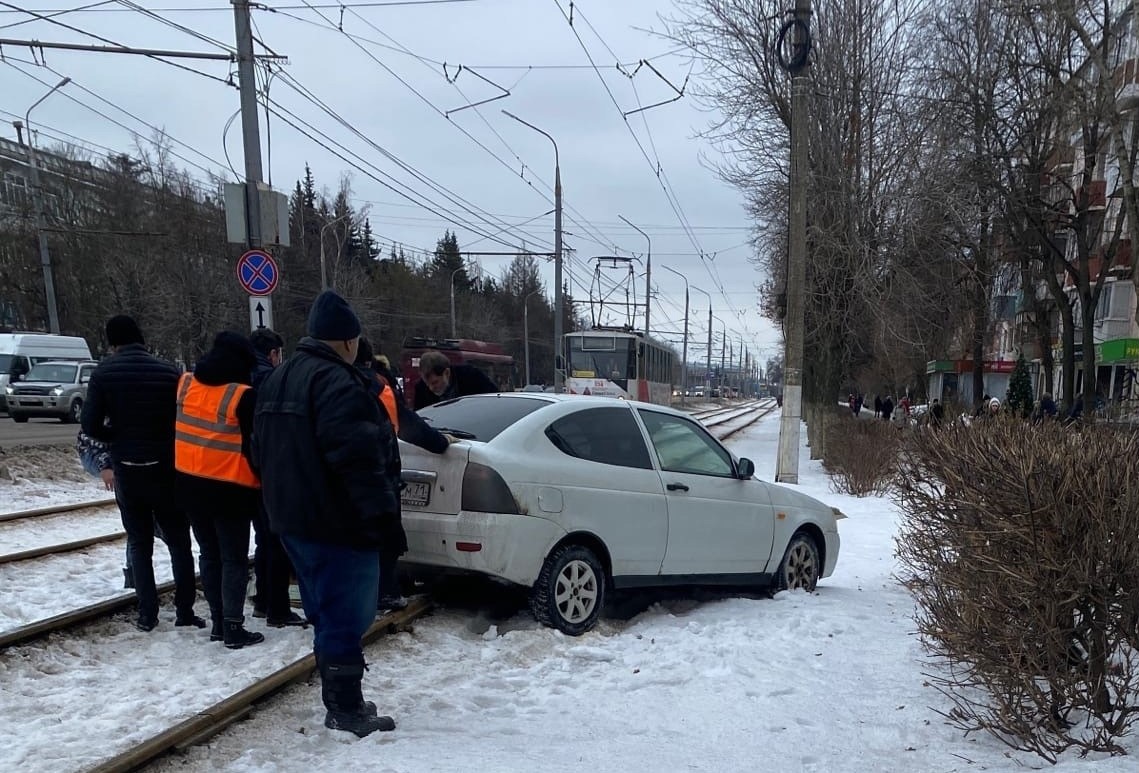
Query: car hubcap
800	569
575	592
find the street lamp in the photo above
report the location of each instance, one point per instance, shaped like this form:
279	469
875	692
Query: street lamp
558	314
37	191
648	270
708	366
684	352
323	271
526	331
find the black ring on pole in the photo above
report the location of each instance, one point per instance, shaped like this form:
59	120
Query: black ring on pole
802	51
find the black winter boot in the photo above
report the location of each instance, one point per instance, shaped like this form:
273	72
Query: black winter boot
237	637
344	699
217	632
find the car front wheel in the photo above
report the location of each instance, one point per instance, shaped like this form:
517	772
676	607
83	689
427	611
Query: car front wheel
75	413
801	567
570	591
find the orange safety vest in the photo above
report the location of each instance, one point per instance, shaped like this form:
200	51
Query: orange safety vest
207	436
387	399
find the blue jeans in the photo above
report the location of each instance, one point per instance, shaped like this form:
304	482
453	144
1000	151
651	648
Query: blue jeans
339	589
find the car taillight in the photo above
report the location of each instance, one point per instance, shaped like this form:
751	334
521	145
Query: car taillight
484	491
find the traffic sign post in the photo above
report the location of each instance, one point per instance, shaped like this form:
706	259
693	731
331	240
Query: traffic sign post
257	272
260	312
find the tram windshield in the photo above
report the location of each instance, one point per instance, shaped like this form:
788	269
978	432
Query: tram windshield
599	356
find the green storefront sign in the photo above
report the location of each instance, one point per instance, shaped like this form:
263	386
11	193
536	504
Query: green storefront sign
1118	350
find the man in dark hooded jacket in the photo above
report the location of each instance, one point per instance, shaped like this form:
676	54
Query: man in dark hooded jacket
271	565
439	380
216	481
324	450
130	406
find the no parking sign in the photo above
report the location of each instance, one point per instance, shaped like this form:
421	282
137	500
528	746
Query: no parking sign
257	272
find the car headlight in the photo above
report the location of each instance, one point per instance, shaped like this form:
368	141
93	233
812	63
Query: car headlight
8	390
57	391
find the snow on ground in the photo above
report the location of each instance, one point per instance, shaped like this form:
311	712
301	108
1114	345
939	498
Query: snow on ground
45	476
825	682
29	533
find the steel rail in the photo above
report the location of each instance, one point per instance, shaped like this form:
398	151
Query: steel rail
54	510
211	721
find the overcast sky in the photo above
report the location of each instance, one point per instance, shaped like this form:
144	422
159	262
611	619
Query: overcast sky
384	74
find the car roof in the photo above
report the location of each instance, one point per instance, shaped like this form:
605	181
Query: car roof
593	400
67	362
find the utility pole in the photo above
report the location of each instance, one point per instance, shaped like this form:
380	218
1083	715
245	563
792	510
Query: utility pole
526	331
684	350
787	462
708	354
38	200
559	312
250	129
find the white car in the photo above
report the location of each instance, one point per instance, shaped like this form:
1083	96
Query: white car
573	496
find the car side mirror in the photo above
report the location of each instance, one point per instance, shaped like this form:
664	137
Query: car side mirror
745	469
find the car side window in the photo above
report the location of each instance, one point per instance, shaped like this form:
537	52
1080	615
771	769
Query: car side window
682	445
604	435
85	374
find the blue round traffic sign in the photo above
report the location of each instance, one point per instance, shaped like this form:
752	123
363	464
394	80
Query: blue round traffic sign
257	272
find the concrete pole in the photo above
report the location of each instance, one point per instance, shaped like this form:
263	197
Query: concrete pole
250	130
559	312
684	349
787	462
38	194
708	364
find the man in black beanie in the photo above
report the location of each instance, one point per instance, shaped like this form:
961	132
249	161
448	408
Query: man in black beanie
323	448
136	393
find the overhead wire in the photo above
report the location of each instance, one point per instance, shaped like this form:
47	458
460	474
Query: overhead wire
338	28
108	41
583	222
291	119
118	123
658	169
455	199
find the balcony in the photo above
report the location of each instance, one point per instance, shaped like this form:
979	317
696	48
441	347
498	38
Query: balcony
1096	193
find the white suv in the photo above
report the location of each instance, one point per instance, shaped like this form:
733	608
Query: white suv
50	389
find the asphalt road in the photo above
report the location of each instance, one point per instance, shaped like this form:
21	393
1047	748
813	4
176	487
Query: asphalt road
37	432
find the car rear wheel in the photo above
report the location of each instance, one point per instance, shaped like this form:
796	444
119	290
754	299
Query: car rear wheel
801	567
75	412
570	591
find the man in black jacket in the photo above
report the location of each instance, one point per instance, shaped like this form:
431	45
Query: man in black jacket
323	447
270	563
439	380
136	393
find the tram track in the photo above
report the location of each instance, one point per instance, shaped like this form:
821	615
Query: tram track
216	718
41	512
210	721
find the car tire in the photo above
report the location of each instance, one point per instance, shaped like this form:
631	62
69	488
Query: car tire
570	591
801	566
19	418
74	412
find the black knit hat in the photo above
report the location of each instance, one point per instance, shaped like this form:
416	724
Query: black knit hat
123	330
332	319
237	347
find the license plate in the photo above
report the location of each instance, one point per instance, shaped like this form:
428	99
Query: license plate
416	494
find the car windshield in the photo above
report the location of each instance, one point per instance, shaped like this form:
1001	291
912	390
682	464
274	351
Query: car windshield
482	417
53	372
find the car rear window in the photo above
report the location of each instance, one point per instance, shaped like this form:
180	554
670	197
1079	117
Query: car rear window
482	416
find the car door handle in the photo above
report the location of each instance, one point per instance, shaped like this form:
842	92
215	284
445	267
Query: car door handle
676	487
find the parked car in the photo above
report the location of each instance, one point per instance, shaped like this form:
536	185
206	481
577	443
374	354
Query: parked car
52	389
20	351
573	496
